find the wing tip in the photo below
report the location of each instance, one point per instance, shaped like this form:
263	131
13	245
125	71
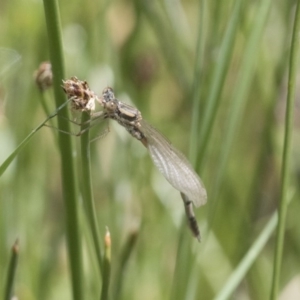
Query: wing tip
201	199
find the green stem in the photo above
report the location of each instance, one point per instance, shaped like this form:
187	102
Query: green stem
106	266
12	271
123	261
196	92
287	149
166	37
87	188
238	103
214	97
239	273
70	194
13	155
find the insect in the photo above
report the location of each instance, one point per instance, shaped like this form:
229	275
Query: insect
170	162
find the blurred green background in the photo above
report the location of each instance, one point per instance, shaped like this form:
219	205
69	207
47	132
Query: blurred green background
212	77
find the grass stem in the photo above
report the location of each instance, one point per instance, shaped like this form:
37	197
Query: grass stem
70	194
287	150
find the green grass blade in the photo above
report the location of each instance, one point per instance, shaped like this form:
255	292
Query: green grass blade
214	97
70	194
123	262
167	39
87	193
11	271
184	257
239	273
106	266
287	149
13	155
236	109
196	90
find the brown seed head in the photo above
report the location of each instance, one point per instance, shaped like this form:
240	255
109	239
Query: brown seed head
79	92
43	76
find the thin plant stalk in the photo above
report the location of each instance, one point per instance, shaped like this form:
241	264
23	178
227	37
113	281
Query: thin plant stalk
241	270
184	264
167	39
20	147
106	266
287	149
70	194
218	79
123	261
44	100
88	198
196	89
183	253
240	96
11	271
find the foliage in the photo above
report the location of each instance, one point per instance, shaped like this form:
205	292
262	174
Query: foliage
212	77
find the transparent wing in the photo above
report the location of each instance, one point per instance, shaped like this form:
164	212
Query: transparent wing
174	166
8	57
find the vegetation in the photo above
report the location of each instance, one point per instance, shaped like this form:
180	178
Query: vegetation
96	220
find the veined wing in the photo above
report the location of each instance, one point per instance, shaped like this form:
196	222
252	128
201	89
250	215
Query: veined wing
174	166
8	57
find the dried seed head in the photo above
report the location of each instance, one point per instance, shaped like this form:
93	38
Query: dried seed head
43	76
79	92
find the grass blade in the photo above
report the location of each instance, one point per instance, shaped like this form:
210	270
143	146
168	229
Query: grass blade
87	188
14	154
239	273
12	271
240	96
106	266
287	149
214	96
70	194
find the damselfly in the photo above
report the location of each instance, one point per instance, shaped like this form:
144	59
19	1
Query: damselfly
169	161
